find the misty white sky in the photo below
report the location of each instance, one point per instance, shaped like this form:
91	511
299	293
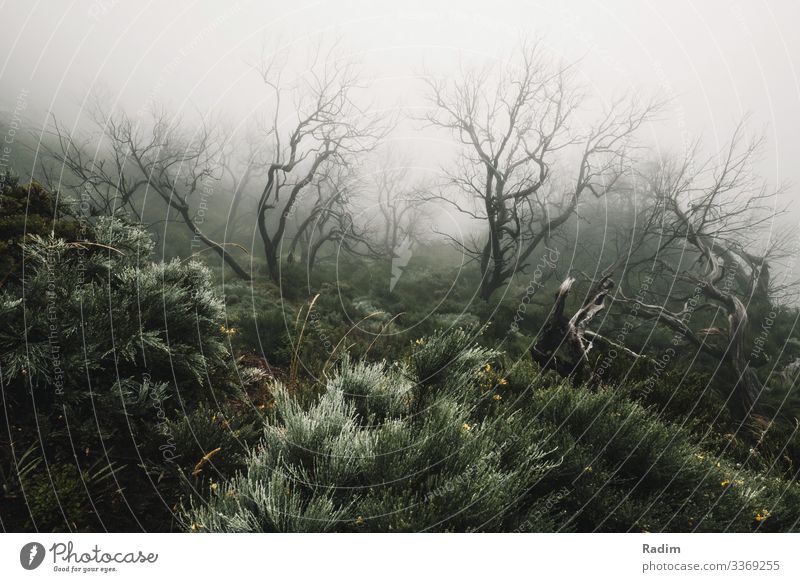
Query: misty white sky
719	59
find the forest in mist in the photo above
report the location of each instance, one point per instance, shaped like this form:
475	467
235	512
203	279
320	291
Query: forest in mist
525	304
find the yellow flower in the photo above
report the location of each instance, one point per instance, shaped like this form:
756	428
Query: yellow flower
359	520
497	397
466	426
420	342
487	368
762	515
587	469
214	486
502	381
196	526
725	483
700	457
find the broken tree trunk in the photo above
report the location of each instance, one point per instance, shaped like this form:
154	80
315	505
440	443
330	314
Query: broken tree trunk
562	345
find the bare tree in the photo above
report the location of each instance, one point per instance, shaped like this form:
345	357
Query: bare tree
401	205
329	128
706	243
515	123
239	173
83	166
328	216
563	345
156	155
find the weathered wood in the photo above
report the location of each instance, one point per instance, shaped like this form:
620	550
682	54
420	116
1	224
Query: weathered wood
562	345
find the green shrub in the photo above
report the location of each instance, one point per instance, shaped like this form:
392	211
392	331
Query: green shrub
28	210
443	441
367	456
101	352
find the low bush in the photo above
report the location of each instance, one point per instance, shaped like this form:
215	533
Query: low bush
102	352
444	441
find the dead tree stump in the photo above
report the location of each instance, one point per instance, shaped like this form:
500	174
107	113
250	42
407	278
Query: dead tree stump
562	346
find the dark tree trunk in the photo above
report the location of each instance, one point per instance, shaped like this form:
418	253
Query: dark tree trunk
562	345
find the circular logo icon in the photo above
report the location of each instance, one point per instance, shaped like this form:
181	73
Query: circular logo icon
31	555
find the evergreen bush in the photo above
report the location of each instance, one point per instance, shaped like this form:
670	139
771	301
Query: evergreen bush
101	353
442	441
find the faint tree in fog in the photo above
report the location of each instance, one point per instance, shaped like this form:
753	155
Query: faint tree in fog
516	124
82	166
402	217
695	258
327	216
241	166
315	124
711	246
156	155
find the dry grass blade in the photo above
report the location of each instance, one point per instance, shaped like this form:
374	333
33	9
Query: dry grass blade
344	337
296	347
